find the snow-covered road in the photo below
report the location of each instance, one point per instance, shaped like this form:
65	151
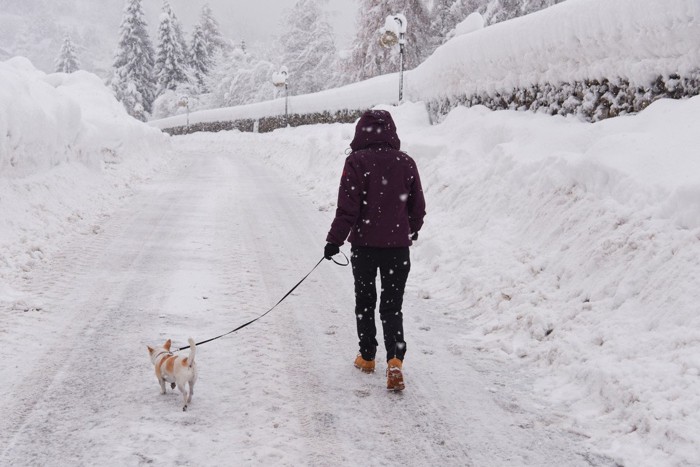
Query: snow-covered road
213	243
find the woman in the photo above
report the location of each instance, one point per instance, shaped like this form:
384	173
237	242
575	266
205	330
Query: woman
381	207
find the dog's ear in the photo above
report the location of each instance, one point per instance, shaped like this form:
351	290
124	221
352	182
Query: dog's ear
167	345
150	350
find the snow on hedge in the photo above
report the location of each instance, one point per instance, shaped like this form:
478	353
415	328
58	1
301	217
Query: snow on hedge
67	147
572	41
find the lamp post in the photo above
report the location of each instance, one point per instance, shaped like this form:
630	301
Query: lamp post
279	79
185	102
394	32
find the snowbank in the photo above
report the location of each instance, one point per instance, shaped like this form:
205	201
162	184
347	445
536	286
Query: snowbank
570	246
67	150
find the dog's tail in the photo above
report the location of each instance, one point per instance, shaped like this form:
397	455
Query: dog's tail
190	359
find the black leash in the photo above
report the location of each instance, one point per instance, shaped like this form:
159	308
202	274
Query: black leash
347	261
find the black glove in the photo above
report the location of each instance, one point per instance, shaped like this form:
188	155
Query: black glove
414	236
330	250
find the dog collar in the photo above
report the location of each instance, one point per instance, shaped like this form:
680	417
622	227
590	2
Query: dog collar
166	352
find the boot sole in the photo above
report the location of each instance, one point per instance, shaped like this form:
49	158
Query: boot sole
395	383
365	370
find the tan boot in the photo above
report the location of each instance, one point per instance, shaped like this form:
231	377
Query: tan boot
367	366
394	376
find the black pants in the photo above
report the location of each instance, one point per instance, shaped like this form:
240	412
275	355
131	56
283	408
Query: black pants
394	265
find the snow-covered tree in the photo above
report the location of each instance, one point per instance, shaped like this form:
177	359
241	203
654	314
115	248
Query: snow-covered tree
495	11
133	81
171	66
212	34
199	60
67	61
242	78
308	48
369	58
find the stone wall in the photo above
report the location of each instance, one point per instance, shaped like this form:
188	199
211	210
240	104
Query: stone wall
267	124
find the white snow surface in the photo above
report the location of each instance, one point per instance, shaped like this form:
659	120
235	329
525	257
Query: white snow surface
67	149
552	311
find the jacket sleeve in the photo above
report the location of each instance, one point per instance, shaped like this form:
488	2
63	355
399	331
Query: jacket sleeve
349	203
416	203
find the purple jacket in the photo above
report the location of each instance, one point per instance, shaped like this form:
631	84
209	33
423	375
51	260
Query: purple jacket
380	200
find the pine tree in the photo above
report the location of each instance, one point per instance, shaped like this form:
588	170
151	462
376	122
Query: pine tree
308	48
170	66
67	61
199	60
243	78
369	58
447	14
508	9
496	11
212	35
133	63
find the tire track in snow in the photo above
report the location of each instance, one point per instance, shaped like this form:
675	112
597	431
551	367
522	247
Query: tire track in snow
47	391
337	418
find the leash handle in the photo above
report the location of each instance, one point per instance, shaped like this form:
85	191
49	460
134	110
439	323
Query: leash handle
347	261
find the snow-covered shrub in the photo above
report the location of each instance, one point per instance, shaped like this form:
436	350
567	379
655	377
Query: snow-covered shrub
591	100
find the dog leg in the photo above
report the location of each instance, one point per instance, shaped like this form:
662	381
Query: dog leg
183	390
189	399
162	385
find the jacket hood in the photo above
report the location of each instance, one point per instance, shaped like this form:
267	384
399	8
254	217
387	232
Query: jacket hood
375	128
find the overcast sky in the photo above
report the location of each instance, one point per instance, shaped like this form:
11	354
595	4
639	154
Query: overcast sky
256	20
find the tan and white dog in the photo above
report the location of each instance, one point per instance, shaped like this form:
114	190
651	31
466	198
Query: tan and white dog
174	369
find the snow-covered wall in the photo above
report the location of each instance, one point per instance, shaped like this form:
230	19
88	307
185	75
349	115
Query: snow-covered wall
362	95
573	41
579	48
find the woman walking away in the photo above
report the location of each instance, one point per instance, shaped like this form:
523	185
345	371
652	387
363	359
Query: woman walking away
381	207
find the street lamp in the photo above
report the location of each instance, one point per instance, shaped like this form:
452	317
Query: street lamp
394	32
279	79
185	102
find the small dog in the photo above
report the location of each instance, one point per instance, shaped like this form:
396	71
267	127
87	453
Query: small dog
176	370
